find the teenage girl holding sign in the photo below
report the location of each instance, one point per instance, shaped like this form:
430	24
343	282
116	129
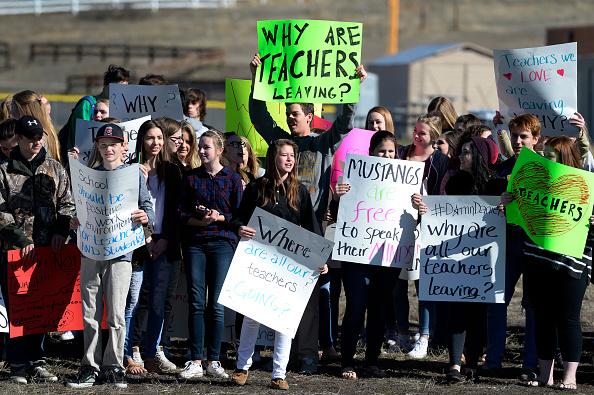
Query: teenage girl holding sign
366	287
279	193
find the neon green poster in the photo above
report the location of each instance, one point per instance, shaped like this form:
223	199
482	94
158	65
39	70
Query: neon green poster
552	203
237	113
308	61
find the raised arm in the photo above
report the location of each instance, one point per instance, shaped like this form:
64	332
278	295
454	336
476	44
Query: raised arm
259	115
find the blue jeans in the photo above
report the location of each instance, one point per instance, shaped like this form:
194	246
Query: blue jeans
207	264
158	274
497	312
131	303
426	314
330	287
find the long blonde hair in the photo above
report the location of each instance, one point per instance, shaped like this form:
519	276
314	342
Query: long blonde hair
192	159
29	103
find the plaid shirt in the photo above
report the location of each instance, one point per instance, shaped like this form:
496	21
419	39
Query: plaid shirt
221	192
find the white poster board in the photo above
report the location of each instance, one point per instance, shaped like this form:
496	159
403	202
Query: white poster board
86	131
540	81
273	275
376	221
463	250
104	204
179	319
128	102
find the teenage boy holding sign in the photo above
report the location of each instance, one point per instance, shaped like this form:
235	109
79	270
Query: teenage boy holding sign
108	281
313	166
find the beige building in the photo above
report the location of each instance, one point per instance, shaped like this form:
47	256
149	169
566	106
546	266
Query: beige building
408	80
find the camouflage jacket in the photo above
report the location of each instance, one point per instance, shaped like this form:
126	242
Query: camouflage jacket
35	200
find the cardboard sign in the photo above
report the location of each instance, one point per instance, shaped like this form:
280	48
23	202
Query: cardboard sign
540	81
308	61
355	142
376	221
552	203
463	250
273	275
44	293
127	102
179	319
104	204
86	131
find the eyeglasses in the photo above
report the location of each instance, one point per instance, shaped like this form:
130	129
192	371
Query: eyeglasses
176	140
440	142
237	144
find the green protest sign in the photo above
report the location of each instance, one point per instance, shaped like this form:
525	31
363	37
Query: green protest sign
308	61
552	203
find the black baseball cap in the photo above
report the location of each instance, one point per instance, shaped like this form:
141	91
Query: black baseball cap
29	127
110	130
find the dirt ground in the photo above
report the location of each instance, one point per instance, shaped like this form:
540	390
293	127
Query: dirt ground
404	376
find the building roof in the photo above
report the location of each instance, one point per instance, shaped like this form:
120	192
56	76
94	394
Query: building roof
420	52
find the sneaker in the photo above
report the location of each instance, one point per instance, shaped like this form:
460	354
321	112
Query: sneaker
239	376
215	369
39	373
308	366
279	384
85	378
117	377
19	376
454	376
165	364
528	375
401	345
67	336
136	357
419	351
191	370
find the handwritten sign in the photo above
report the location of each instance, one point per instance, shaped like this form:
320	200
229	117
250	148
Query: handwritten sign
463	250
127	102
44	293
179	319
376	221
104	204
552	203
308	61
355	142
540	81
86	131
272	275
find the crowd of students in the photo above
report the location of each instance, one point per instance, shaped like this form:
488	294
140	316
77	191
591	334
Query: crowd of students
198	188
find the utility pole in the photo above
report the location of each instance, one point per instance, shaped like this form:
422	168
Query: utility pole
394	9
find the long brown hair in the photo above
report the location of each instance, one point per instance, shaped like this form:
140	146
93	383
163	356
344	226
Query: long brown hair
271	179
567	150
29	103
162	156
253	164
